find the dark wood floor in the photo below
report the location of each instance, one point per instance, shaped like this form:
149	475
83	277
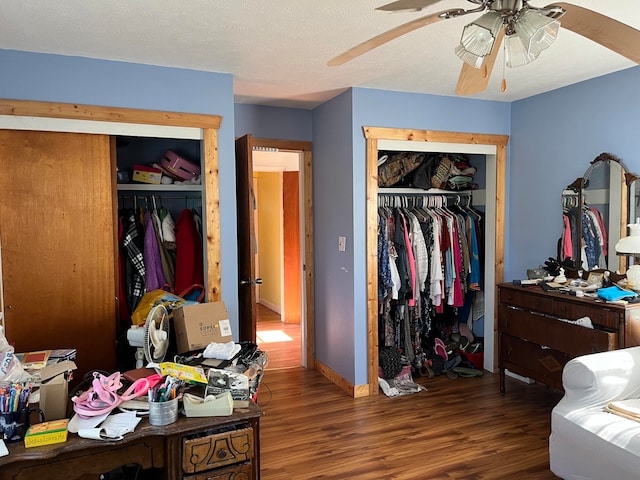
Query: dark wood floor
286	354
457	429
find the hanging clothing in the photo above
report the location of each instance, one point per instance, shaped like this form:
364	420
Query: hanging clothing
134	265
154	278
189	269
429	265
167	261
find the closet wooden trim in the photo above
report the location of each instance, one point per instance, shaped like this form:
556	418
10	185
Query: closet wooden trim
382	133
74	111
283	145
212	205
209	125
373	135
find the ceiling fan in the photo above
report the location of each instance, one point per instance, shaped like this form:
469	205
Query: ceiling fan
528	31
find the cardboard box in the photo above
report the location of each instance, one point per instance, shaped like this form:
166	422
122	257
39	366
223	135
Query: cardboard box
47	433
198	325
144	174
54	389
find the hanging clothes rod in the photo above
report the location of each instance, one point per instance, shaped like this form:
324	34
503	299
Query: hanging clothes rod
425	199
160	197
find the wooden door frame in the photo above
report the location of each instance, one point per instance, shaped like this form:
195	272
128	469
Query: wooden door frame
375	134
308	323
209	124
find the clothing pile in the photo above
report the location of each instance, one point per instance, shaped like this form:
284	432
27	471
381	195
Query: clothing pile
444	171
454	172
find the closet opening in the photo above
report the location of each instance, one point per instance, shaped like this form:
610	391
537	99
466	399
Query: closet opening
97	187
491	150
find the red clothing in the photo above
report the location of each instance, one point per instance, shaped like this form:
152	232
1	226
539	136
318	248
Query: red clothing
189	268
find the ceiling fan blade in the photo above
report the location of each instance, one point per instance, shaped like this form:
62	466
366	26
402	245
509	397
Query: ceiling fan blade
404	5
475	80
385	37
610	33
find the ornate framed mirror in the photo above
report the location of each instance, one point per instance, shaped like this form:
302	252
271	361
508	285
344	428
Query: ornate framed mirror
596	211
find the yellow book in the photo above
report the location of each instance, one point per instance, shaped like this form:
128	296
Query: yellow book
46	433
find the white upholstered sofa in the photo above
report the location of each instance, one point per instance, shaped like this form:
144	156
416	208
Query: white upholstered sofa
586	442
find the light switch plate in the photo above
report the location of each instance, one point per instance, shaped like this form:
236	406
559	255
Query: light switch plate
342	244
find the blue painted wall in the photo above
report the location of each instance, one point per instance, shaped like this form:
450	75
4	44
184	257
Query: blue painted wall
554	136
340	203
273	122
333	194
380	108
55	78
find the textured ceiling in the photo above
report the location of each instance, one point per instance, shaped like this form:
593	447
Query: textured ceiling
277	50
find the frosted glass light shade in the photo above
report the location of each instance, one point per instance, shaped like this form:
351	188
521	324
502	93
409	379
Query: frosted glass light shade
537	31
474	60
516	51
534	32
478	38
630	245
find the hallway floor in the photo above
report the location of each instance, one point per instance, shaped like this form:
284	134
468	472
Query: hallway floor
281	341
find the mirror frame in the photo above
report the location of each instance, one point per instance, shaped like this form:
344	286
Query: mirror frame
580	184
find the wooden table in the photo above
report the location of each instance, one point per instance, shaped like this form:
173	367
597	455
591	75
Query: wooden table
190	449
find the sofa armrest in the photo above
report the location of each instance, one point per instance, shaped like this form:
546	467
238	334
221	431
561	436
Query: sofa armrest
596	379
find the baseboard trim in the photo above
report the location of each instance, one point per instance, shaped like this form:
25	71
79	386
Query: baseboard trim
354	391
271	306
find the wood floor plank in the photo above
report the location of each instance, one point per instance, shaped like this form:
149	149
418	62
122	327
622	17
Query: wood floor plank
286	354
456	429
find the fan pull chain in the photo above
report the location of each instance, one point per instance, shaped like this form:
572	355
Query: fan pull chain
503	84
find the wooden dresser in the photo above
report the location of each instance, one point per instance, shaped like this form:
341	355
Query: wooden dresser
205	448
534	342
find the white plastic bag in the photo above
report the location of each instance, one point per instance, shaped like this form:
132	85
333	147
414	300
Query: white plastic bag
10	367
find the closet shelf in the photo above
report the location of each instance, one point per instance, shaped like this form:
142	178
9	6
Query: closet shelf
128	187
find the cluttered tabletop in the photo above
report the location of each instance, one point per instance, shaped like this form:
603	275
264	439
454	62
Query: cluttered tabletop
212	376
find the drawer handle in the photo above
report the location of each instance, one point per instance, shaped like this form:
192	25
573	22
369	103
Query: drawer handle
222	453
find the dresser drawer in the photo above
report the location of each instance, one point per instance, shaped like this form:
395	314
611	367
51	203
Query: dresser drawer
242	471
599	315
217	450
550	332
526	300
531	360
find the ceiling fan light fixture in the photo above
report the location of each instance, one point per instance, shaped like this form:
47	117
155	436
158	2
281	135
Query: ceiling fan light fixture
516	51
537	31
475	61
479	36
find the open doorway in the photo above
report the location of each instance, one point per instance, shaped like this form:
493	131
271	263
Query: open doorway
248	280
278	261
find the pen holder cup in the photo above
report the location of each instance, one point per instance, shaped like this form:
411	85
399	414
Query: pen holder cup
163	413
14	425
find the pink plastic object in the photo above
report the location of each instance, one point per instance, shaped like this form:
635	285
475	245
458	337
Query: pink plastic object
103	395
177	167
